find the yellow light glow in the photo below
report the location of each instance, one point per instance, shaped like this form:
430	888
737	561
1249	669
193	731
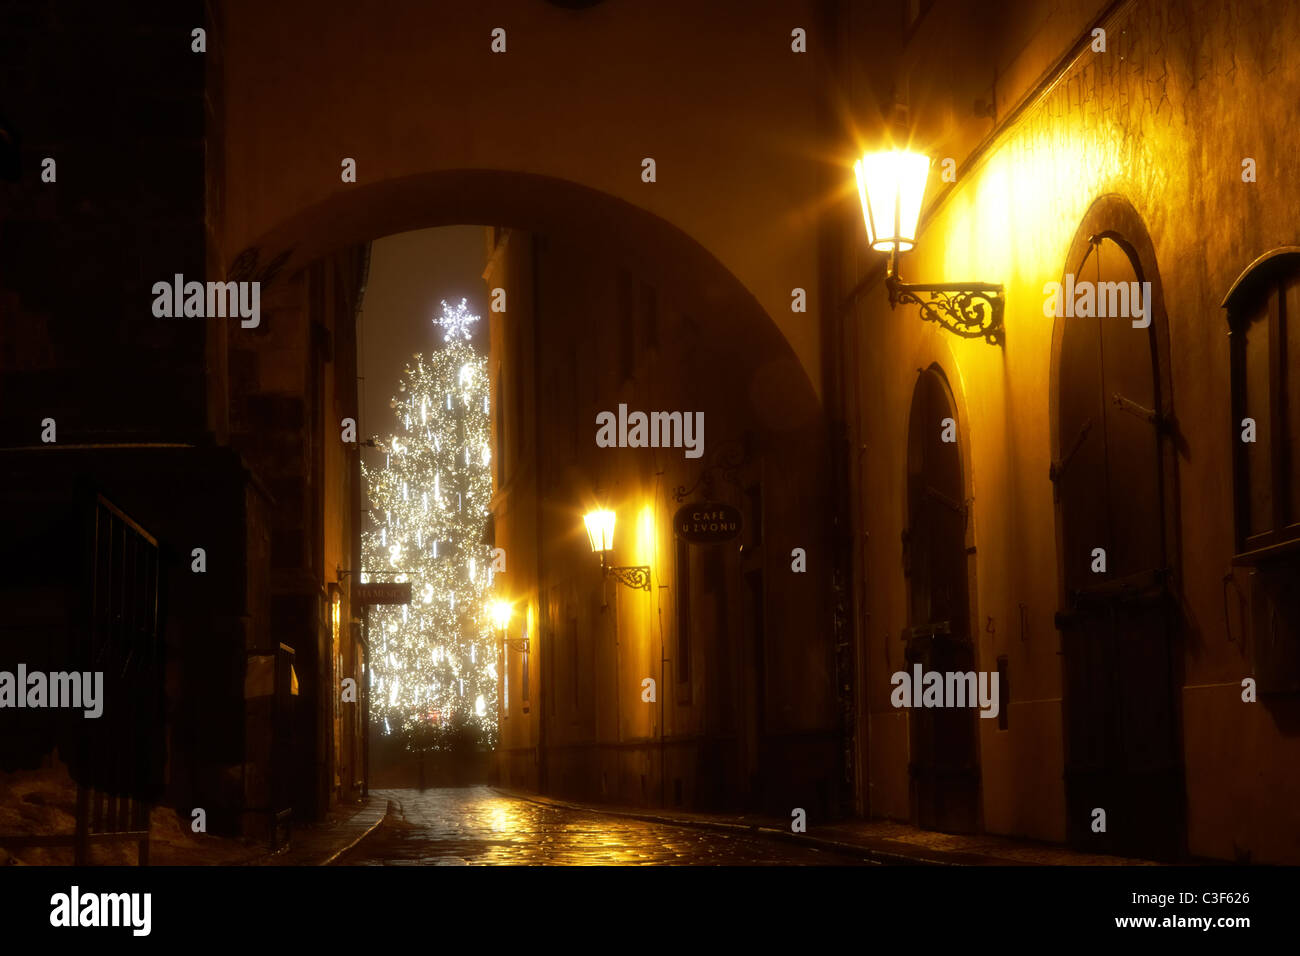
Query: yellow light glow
645	536
501	612
891	186
600	530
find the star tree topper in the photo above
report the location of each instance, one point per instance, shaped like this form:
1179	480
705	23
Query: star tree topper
455	321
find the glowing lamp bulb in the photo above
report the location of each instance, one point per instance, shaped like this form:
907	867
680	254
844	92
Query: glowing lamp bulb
600	530
891	185
501	614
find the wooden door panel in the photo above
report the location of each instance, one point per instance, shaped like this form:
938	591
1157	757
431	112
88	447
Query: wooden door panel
1122	745
1087	653
944	765
1146	709
1085	525
1133	479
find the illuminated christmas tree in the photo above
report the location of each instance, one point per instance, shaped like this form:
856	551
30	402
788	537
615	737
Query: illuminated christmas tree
433	660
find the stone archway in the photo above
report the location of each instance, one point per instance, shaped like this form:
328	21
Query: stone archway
767	372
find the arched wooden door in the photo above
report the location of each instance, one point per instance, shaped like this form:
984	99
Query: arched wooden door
1123	750
944	759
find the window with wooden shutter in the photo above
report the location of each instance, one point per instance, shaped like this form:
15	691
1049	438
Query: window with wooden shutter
1264	340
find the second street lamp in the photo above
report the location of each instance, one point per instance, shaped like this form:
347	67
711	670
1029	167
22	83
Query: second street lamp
600	532
501	612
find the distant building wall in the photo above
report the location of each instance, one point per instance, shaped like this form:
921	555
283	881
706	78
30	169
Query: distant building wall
743	713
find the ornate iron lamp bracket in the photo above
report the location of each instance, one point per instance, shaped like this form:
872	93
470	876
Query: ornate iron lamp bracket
971	310
637	577
727	460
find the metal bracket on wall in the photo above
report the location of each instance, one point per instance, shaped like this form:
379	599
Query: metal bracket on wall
728	458
971	310
637	576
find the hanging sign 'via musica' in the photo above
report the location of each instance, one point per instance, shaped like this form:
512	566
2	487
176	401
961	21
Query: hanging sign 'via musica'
383	592
707	522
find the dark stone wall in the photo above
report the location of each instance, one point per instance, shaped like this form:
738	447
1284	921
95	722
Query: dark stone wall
115	97
185	498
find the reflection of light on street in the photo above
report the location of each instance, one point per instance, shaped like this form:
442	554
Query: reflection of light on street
458	826
503	815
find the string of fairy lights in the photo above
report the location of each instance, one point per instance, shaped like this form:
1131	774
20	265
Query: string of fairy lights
433	660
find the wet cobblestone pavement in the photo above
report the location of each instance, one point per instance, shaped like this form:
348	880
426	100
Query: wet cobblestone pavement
476	826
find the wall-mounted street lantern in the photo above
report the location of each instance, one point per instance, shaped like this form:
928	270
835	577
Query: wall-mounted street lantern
600	531
500	612
891	185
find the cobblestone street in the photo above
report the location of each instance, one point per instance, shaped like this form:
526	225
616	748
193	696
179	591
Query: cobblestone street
478	826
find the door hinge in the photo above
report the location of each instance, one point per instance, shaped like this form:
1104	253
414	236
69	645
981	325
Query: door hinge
1058	467
1149	415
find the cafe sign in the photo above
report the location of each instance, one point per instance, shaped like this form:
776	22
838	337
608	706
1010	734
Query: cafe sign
707	522
386	592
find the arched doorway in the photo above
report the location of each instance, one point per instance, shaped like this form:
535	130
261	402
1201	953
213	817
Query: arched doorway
1113	473
944	763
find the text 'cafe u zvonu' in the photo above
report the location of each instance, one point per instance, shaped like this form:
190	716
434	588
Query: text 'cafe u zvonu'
708	522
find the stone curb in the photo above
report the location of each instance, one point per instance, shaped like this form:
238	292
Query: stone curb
360	838
282	856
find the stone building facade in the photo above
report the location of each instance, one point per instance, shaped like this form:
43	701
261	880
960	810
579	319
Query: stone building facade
1121	142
